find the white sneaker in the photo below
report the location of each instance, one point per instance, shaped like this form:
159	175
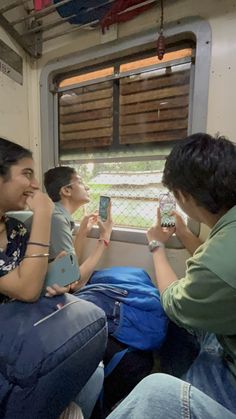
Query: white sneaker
73	411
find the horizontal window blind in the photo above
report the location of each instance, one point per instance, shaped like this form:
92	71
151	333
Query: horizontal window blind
86	116
154	108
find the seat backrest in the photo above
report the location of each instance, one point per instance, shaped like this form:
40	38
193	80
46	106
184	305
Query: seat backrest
20	215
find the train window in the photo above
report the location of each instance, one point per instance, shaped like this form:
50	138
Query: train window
117	124
120	141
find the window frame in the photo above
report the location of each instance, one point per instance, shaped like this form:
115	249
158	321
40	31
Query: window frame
197	28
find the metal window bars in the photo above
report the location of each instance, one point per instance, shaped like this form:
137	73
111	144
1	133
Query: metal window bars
31	29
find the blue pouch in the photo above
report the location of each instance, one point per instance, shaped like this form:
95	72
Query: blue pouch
84	11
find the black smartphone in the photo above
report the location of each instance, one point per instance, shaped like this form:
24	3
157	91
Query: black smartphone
103	207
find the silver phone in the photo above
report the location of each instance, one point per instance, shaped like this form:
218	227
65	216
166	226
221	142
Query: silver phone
62	271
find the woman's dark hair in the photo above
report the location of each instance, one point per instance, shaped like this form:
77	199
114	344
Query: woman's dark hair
56	178
10	154
205	168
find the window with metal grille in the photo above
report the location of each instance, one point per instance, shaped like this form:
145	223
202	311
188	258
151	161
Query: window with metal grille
118	123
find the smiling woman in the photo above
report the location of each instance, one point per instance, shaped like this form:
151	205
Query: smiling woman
18	188
23	266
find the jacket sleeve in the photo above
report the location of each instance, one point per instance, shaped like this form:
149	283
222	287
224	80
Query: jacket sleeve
201	300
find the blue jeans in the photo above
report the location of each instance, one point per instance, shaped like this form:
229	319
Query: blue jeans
161	396
88	396
210	374
209	391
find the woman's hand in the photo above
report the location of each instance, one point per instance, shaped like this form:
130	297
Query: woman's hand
40	201
105	227
86	224
55	289
157	232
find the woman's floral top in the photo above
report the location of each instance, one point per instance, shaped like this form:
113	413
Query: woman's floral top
17	236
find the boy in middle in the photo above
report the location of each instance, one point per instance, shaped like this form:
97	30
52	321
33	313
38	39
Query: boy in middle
67	190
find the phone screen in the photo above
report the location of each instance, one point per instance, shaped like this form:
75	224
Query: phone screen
103	207
167	205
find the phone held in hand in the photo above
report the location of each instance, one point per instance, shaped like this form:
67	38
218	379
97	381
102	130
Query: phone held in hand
167	205
103	207
62	271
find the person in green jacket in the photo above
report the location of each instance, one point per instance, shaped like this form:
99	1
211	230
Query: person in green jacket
201	173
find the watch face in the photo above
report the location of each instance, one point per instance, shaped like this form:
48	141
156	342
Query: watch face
154	244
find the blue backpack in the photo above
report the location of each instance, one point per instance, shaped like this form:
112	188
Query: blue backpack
132	306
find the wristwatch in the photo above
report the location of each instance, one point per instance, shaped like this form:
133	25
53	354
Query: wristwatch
155	244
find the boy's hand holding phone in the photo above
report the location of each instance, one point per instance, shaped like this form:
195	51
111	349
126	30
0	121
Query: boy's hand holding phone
181	228
86	224
158	232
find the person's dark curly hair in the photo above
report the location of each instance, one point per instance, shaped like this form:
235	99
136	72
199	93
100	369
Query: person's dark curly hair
205	168
10	154
56	178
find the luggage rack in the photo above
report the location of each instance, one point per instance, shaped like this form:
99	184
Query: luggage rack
31	29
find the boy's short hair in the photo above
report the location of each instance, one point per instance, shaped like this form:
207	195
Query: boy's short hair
204	167
56	178
10	154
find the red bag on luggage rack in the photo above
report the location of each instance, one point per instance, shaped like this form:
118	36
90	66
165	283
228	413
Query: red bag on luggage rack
40	4
119	13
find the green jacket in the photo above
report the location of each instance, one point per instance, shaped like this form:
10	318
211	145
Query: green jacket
206	297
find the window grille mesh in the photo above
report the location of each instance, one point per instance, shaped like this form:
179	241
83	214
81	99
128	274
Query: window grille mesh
134	194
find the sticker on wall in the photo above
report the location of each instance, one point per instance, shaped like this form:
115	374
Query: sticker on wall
11	63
